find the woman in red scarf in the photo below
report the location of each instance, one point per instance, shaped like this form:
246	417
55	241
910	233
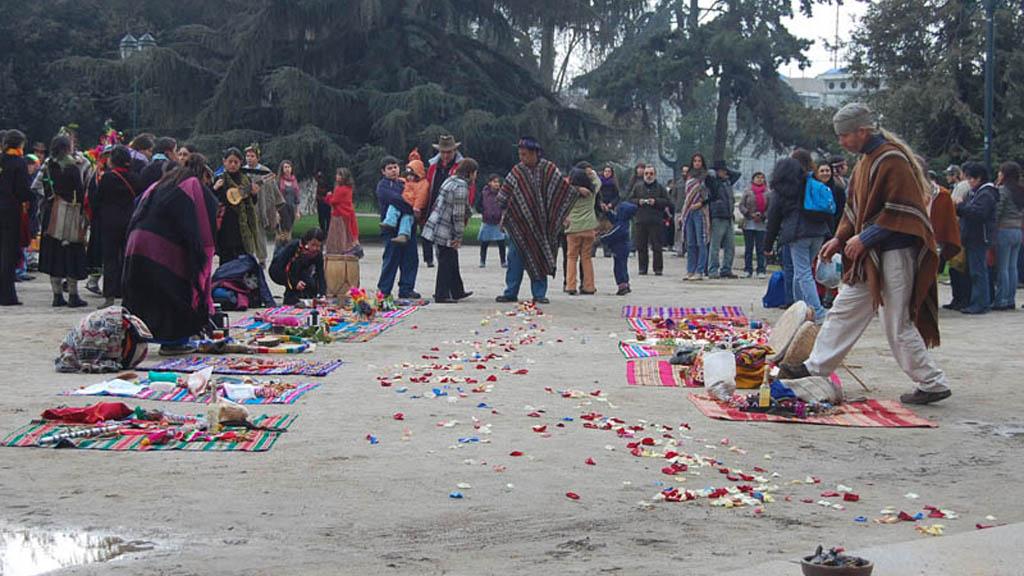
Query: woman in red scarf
754	207
343	234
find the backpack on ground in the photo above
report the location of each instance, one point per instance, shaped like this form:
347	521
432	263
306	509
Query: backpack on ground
775	296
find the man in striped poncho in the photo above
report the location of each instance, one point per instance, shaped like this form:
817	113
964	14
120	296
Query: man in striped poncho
536	199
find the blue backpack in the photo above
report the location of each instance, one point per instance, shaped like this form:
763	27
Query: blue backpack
775	296
819	204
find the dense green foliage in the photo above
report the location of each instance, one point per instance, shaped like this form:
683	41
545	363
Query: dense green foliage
924	60
690	57
322	82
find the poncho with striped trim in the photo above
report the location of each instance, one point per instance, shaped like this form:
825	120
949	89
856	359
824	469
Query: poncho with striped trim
537	202
884	191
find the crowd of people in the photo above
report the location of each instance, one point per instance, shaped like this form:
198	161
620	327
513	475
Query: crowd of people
149	217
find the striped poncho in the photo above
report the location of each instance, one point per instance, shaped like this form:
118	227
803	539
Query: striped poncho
536	203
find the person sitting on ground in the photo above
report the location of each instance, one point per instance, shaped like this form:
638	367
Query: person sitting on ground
299	267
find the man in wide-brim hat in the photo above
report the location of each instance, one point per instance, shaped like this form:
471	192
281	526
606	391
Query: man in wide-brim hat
440	168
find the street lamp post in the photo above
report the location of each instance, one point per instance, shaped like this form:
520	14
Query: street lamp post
990	64
127	47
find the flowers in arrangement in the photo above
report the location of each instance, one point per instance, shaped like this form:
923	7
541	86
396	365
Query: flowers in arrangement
366	305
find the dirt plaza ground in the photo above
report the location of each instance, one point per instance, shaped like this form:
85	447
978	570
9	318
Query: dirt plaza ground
325	500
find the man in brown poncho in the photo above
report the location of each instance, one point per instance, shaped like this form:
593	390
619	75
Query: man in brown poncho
889	257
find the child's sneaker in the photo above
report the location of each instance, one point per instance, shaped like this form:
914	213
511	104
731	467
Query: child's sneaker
384	226
623	290
400	239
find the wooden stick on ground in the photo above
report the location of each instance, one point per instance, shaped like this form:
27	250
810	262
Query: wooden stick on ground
859	381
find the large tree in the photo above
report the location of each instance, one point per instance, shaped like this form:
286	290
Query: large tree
323	82
923	64
737	45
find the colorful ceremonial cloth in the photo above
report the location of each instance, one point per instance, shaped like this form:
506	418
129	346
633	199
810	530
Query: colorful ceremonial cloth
652	372
256	440
537	201
866	414
248	365
732	312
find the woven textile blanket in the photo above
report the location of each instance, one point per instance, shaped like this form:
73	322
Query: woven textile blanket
866	414
255	440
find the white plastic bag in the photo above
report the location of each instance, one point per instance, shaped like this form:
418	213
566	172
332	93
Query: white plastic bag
239	392
720	373
199	381
830	272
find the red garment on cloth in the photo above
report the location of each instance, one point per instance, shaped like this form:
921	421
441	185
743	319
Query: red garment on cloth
341	205
98	412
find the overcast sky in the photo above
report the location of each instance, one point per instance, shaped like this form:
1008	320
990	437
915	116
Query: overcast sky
820	27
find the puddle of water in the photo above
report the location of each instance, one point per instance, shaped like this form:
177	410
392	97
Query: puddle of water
30	551
1011	431
1007	430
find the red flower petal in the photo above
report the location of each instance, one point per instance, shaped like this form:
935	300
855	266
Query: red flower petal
572	495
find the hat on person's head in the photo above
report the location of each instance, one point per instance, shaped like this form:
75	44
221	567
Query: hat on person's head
953	169
446	143
852	117
836	160
39	147
529	143
32	158
719	165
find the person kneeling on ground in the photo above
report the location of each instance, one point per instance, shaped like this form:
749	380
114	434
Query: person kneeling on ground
299	267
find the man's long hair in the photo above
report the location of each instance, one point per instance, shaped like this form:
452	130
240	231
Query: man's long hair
923	184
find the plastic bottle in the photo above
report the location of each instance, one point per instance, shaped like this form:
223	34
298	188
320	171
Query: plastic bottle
764	395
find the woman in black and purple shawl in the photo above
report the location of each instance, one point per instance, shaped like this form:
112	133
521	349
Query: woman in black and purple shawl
169	256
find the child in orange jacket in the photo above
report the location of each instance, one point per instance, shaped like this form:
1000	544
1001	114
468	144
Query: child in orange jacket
416	193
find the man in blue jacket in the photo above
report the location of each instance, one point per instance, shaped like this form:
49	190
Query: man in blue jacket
398	258
977	231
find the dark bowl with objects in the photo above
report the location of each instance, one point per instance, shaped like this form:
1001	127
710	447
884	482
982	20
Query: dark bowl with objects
861	568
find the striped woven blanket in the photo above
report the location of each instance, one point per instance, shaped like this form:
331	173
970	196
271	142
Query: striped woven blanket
267	366
733	312
255	440
183	395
